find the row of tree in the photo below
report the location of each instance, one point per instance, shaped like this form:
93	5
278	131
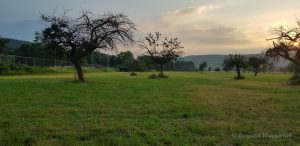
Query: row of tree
77	39
123	61
238	62
286	44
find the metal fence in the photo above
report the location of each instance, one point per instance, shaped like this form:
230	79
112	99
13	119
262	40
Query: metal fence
13	59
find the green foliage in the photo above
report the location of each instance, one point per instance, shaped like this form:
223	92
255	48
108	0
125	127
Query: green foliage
295	79
209	69
178	66
182	66
125	61
38	50
236	61
203	66
3	45
133	74
217	69
14	69
147	62
20	69
13	43
257	62
102	60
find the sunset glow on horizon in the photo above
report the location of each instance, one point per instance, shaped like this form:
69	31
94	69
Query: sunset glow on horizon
203	26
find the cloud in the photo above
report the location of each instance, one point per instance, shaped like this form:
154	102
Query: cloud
192	10
217	35
187	15
200	28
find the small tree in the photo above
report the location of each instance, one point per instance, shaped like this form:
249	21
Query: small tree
236	61
81	36
286	44
256	63
125	61
161	52
202	66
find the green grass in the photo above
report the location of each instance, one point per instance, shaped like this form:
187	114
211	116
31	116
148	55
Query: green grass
118	109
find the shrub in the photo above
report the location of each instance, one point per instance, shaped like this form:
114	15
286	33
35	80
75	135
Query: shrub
162	76
19	69
133	74
153	76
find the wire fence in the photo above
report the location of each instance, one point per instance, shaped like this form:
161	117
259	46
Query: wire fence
31	61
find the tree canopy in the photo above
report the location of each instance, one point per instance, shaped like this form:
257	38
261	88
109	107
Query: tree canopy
286	44
81	36
256	62
202	66
236	61
161	51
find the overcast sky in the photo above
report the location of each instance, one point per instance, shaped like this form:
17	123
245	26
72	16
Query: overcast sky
203	26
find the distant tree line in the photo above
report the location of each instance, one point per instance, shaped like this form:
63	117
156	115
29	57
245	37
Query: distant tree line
123	61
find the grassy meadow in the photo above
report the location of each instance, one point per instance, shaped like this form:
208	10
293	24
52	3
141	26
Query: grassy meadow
118	109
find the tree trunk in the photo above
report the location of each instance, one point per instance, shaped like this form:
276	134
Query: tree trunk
255	72
79	71
161	70
238	70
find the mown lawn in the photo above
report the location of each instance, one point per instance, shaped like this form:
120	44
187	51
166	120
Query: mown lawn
118	109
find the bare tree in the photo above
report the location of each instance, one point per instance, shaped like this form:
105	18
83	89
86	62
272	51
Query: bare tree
161	52
286	42
83	35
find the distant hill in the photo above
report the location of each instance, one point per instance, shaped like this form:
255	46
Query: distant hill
214	61
13	43
20	30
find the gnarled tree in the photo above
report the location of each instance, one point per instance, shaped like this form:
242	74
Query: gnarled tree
81	36
162	51
286	42
236	61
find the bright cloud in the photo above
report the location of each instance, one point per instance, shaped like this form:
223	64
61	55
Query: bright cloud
235	26
193	10
187	15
